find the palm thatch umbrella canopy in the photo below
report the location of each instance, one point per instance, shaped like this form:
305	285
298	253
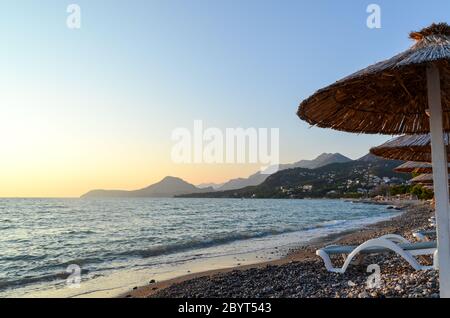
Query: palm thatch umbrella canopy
414	167
408	148
388	97
423	179
409	93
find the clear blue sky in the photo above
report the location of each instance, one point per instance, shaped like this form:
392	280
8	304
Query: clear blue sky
138	69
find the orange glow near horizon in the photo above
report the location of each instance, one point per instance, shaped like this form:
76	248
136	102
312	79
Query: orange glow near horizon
93	142
74	183
67	171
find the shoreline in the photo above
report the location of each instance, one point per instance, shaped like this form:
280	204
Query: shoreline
301	254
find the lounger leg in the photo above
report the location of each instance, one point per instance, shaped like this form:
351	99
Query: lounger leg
327	262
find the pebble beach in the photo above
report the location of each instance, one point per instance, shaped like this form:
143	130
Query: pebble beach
301	274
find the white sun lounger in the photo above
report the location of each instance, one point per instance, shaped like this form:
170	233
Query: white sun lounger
381	245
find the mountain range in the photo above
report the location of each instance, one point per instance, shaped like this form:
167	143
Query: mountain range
172	186
167	187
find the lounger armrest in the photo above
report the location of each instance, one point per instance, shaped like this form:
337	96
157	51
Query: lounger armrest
395	238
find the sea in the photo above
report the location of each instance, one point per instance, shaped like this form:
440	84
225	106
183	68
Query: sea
54	247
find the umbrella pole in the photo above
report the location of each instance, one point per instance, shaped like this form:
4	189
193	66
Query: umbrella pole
440	177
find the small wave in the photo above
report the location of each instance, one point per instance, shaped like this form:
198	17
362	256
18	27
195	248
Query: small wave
24	257
325	224
331	223
78	232
53	206
199	243
28	280
83	261
7	227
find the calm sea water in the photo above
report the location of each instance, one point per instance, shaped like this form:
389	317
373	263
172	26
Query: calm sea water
39	238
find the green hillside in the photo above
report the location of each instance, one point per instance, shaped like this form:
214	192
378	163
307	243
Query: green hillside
348	179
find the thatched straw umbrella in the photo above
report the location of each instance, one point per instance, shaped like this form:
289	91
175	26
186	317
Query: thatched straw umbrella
423	179
414	167
388	97
408	148
409	93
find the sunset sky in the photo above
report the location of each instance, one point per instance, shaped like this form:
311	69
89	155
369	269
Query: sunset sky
95	107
